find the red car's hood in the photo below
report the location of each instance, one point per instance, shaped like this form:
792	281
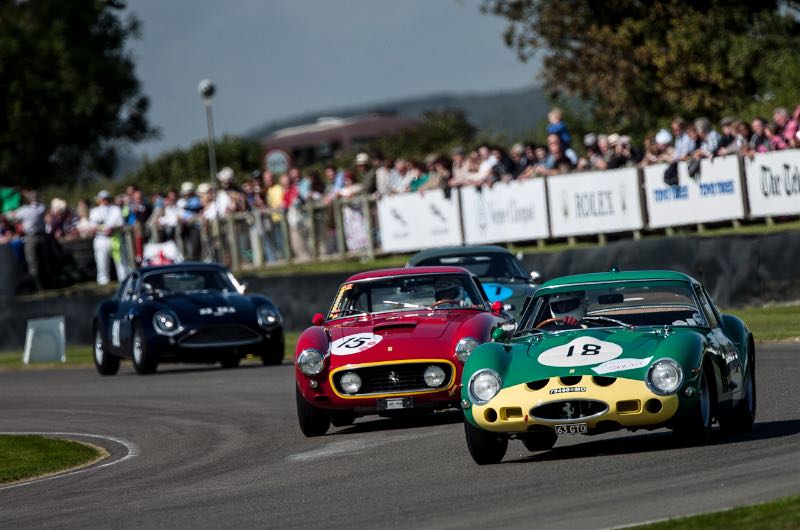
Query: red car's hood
395	336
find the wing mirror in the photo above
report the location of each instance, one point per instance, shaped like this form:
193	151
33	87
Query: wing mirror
497	307
318	319
147	288
242	288
536	277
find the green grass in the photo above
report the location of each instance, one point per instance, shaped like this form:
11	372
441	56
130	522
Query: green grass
778	322
24	457
783	514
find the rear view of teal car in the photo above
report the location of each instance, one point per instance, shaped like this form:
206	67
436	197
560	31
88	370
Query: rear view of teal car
502	275
594	353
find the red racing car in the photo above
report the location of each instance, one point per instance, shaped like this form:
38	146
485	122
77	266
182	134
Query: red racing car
394	341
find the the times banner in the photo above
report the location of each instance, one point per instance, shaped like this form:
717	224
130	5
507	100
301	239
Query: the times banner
773	183
594	203
412	221
514	211
712	193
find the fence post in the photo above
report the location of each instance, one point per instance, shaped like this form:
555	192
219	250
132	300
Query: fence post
312	230
365	210
256	238
337	219
233	242
287	246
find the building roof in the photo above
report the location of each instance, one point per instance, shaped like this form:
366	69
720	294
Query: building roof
327	130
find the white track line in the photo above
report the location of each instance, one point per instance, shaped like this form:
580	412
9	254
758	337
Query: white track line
133	451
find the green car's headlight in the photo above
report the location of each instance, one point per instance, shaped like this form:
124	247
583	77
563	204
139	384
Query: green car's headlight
310	362
465	347
664	377
166	323
484	385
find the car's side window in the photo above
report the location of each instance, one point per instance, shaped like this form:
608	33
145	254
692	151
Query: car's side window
128	288
123	288
480	290
711	317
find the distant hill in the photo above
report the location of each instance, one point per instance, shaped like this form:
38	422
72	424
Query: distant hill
511	115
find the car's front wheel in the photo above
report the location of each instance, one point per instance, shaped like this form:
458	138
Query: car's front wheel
273	352
539	440
342	418
104	361
144	359
484	446
230	361
696	425
741	417
313	421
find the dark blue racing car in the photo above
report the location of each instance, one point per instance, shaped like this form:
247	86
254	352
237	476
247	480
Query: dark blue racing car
192	312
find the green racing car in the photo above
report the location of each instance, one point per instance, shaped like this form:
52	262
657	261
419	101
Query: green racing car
599	352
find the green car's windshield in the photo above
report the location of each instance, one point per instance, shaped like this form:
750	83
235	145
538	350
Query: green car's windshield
484	266
656	303
401	293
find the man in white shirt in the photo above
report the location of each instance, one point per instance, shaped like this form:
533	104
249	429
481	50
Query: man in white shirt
106	217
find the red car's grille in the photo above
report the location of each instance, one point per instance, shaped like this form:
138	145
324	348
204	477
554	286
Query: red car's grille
220	336
394	378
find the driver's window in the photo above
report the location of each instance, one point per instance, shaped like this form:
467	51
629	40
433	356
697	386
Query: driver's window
123	289
711	317
129	288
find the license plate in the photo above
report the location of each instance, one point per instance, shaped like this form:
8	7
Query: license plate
572	428
395	403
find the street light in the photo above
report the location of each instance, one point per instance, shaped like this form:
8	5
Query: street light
207	89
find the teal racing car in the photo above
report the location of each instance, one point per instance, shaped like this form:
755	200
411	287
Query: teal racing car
600	352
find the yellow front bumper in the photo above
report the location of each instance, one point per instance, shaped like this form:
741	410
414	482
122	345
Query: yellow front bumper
630	404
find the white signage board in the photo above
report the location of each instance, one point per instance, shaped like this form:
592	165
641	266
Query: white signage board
773	183
513	211
715	196
412	221
45	341
595	202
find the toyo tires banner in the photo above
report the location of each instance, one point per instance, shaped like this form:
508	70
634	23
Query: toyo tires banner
514	211
773	183
714	195
594	203
413	221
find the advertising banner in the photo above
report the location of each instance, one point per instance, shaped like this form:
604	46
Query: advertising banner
773	183
514	211
715	194
413	221
594	203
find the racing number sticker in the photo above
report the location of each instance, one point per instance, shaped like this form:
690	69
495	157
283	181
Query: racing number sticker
583	351
354	343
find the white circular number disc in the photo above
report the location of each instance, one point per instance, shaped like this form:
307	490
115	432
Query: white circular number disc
354	343
583	351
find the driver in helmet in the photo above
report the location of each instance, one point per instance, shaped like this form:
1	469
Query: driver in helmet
570	308
447	289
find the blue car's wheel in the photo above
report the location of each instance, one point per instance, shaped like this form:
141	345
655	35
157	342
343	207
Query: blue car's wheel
144	360
484	446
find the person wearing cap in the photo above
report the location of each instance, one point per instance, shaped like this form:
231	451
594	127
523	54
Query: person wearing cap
189	208
228	197
107	219
365	174
594	157
32	218
710	139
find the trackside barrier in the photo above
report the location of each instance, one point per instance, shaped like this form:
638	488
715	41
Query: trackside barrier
715	194
510	211
773	183
412	221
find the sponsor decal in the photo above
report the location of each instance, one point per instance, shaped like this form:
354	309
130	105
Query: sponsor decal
784	181
496	292
620	365
594	204
568	389
582	351
217	311
354	343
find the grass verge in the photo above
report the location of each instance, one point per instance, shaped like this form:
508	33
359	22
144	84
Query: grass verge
783	514
771	323
28	456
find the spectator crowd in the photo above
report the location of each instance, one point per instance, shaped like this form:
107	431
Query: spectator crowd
184	217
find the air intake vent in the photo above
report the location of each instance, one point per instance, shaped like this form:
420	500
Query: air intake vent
571	380
538	385
600	380
574	409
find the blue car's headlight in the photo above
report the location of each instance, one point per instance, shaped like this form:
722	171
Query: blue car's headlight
268	316
484	385
166	322
664	377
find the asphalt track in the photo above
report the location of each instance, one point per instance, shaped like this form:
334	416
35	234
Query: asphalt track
214	448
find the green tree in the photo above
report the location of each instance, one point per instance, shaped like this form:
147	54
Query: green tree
437	132
639	63
68	90
171	168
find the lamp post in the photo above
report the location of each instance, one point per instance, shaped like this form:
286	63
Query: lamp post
207	89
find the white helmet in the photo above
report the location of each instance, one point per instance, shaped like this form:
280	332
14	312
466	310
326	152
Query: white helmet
568	305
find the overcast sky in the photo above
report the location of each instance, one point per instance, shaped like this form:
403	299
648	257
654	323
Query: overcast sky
272	59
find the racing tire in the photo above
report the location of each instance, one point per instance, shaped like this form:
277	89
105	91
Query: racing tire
484	446
144	359
313	421
539	441
695	427
742	416
273	354
230	361
343	418
104	361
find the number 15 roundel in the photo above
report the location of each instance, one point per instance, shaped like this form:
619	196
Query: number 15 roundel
354	343
583	351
